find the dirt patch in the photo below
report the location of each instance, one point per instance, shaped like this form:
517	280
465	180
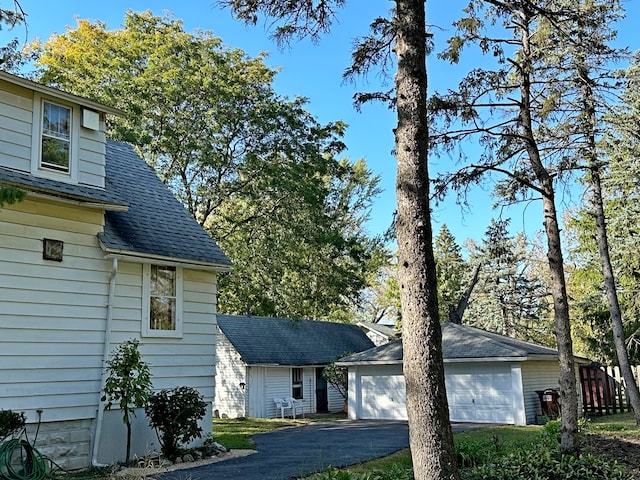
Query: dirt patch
152	469
624	449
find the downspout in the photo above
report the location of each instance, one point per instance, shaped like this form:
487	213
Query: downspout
105	358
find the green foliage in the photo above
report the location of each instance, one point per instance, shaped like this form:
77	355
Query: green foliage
510	297
175	414
10	423
395	472
128	383
541	460
10	195
257	170
470	453
337	376
545	463
451	270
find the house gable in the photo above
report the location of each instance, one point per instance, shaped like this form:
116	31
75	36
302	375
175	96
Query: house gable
51	134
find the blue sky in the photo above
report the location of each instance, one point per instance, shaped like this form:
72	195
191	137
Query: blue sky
315	72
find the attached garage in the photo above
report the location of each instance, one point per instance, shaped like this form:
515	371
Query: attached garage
489	378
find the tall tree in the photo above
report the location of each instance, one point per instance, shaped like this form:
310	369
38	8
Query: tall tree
451	270
592	35
253	167
509	298
512	143
622	145
430	434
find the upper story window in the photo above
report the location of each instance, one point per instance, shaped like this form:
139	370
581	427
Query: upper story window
55	148
55	139
162	301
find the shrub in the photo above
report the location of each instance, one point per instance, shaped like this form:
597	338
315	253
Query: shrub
10	423
470	453
175	413
544	462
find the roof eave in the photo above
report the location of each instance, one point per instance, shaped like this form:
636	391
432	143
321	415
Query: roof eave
71	200
54	92
162	260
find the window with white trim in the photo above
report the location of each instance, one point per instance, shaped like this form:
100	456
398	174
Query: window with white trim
55	146
296	383
162	301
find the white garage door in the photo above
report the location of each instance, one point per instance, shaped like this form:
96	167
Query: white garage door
383	397
479	393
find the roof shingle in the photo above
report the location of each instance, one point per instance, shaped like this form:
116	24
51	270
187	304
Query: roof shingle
458	342
281	341
156	222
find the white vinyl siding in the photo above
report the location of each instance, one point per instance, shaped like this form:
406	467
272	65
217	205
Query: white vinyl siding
52	313
336	402
540	375
229	398
16	111
20	130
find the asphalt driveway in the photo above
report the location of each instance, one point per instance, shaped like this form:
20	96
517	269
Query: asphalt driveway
296	452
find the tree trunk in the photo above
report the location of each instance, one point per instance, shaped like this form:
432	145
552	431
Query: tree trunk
569	440
127	456
430	436
589	112
612	296
456	314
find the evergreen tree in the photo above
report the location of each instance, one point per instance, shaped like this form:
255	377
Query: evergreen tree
509	299
451	270
511	141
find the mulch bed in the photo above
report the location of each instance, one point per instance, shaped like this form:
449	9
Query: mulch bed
625	450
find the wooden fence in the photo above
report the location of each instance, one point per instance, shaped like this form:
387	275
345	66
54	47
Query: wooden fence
603	389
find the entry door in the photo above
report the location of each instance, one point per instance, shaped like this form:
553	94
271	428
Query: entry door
322	401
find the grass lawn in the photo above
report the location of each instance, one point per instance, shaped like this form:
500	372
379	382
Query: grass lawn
624	423
236	432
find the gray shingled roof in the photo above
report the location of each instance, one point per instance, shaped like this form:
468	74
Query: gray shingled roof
60	189
281	341
458	342
156	222
384	330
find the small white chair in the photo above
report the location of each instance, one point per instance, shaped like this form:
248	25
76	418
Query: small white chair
282	404
295	405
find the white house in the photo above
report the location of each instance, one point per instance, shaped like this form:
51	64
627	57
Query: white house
489	378
99	252
262	358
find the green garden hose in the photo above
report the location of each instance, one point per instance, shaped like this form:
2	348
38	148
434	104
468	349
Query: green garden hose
19	460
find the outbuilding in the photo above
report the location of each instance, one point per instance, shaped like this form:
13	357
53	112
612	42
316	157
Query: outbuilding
261	359
490	378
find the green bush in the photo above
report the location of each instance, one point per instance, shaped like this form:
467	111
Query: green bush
544	462
175	414
470	453
10	423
